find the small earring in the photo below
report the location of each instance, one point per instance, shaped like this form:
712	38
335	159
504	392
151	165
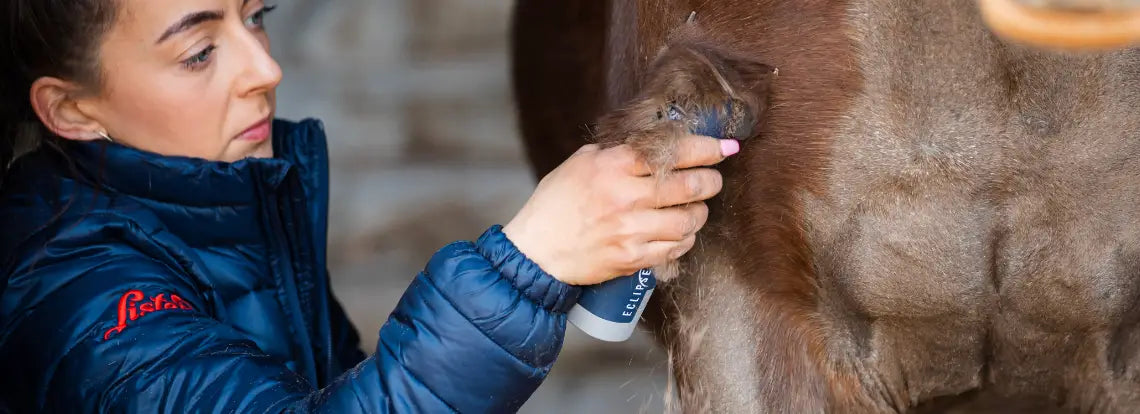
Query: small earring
104	135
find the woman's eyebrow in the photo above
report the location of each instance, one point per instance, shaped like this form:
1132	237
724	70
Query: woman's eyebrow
190	20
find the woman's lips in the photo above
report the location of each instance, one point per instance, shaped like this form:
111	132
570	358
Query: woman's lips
256	133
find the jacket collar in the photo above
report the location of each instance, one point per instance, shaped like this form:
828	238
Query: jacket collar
197	182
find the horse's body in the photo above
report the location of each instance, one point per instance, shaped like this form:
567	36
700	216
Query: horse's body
929	218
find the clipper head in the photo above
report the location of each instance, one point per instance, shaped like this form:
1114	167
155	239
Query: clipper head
732	120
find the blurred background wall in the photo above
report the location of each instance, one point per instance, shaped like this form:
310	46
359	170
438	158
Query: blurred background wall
415	96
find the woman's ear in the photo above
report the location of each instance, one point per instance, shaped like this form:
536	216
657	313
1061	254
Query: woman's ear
57	105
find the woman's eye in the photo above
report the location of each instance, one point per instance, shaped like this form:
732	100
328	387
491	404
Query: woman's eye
257	19
201	59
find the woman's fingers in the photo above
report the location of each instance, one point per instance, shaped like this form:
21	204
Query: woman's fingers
613	219
666	224
691	151
701	151
683	187
659	252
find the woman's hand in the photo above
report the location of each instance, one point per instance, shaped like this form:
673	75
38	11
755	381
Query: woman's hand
601	215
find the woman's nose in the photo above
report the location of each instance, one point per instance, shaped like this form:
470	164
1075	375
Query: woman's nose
260	73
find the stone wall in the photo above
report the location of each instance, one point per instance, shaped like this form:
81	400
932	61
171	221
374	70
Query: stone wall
415	97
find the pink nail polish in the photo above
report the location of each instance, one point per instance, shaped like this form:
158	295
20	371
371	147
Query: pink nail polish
729	146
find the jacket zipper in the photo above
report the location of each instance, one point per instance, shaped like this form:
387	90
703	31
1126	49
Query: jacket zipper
281	264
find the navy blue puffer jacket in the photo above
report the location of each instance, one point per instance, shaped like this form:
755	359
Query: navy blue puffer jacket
180	285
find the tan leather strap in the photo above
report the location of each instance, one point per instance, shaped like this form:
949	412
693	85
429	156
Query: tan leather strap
1072	30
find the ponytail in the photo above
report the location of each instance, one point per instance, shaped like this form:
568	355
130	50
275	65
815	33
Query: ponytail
19	130
11	121
14	105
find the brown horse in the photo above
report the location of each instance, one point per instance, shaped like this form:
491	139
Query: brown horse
929	218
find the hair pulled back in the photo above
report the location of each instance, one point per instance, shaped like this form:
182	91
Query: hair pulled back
57	38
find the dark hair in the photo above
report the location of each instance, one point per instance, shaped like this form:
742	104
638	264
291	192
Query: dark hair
58	38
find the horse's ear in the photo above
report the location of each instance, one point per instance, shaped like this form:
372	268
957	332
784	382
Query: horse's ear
754	76
751	83
739	71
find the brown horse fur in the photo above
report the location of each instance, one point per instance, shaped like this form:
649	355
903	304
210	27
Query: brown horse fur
695	77
692	77
929	219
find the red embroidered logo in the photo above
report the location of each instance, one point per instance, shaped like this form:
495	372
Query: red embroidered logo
132	306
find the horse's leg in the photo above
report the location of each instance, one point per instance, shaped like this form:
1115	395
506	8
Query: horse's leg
742	326
734	348
687	81
727	353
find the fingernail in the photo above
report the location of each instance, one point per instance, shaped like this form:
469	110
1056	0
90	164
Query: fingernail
729	147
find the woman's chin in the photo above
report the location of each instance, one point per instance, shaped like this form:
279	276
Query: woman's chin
263	150
240	150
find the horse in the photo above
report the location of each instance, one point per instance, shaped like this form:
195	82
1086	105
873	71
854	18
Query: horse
929	215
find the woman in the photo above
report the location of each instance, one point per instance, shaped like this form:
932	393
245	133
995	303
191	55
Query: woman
162	244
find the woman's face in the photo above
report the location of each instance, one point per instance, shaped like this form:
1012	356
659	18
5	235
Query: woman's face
188	77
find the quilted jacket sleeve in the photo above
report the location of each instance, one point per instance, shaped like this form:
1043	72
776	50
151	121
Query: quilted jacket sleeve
477	331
